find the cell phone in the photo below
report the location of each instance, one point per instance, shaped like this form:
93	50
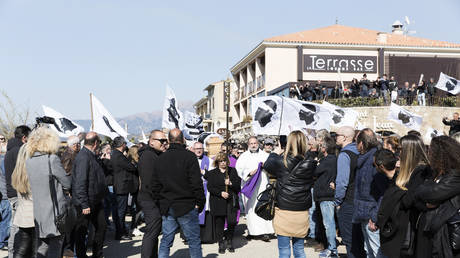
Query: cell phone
283	141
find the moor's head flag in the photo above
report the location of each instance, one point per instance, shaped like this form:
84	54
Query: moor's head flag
103	122
193	126
62	125
172	116
449	84
341	116
405	117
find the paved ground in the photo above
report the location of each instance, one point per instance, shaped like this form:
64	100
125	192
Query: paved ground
244	248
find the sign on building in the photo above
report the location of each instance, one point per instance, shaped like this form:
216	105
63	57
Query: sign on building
347	64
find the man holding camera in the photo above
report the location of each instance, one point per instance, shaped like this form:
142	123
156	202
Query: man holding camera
454	124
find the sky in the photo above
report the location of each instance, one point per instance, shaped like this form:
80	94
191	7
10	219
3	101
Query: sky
126	51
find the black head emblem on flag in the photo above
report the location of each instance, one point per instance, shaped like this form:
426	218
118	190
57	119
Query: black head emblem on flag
309	115
106	121
173	114
67	125
57	126
451	83
405	118
264	116
338	115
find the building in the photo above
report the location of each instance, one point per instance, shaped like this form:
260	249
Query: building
308	56
212	107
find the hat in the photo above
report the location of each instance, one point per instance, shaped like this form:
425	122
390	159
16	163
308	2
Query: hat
269	141
118	142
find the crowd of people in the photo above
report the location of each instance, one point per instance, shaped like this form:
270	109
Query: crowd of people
383	196
422	93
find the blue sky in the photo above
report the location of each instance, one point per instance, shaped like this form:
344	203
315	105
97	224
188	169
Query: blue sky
125	52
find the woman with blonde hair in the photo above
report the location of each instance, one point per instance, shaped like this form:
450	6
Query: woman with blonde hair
24	216
42	146
294	174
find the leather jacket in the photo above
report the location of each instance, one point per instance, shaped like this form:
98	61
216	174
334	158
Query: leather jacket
293	183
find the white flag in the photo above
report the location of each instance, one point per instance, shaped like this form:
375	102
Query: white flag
193	126
172	116
449	84
273	115
103	122
62	125
341	116
404	117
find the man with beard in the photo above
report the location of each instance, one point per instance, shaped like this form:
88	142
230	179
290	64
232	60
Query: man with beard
148	155
246	167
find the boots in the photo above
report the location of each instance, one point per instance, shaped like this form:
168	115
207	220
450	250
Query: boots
230	246
222	247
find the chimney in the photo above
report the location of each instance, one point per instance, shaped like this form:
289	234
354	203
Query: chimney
397	28
382	37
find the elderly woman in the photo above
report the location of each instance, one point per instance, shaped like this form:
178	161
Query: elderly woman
42	145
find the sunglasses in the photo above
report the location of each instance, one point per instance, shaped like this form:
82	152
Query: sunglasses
162	141
2	139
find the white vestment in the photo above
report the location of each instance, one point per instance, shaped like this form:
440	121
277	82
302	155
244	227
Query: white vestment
246	163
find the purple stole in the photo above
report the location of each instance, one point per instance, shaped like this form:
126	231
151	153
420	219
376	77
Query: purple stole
204	166
250	186
232	161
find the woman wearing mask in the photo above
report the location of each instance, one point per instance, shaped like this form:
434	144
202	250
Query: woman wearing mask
42	145
224	184
24	244
294	180
442	197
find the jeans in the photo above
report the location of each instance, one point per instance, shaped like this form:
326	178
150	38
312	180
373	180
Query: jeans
371	242
328	210
313	218
110	206
352	236
122	205
284	247
421	99
190	225
5	210
50	247
13	229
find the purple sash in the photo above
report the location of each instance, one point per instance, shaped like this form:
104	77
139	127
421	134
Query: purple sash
204	166
232	161
250	186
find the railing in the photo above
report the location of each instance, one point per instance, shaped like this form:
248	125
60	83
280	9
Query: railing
437	101
250	87
236	95
243	91
260	82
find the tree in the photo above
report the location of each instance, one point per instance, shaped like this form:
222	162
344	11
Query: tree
11	115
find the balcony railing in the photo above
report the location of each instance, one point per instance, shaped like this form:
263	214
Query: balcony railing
250	87
243	91
260	82
236	95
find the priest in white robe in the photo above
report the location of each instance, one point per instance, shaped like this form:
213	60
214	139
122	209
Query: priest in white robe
246	166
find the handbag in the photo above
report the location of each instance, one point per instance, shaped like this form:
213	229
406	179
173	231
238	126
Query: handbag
65	219
265	207
453	227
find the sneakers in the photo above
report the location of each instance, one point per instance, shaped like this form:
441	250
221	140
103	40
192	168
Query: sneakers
328	253
137	232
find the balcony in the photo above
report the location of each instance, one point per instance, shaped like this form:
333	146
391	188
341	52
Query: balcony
260	82
236	95
250	87
243	91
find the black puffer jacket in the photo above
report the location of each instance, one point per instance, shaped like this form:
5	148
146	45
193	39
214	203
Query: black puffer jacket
10	163
293	184
326	172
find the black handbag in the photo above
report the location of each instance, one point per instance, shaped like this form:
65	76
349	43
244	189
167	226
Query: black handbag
265	207
453	226
65	219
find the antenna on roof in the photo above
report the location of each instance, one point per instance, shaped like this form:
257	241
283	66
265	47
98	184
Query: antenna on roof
336	20
407	22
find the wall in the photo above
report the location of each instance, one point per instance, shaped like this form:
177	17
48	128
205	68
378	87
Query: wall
280	67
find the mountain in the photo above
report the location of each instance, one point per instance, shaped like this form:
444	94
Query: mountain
146	121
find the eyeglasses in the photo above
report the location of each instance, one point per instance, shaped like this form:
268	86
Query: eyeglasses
198	148
162	141
2	139
337	135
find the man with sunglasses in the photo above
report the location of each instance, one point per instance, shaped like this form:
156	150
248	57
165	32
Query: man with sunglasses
148	156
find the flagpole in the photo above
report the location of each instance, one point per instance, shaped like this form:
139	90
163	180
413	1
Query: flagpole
91	106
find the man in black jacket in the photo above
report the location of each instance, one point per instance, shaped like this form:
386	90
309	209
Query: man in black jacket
326	172
88	192
179	188
454	124
148	156
125	181
20	137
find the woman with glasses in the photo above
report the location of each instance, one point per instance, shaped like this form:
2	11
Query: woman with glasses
294	174
224	184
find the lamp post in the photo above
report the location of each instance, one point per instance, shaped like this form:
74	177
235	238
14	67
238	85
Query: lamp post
227	111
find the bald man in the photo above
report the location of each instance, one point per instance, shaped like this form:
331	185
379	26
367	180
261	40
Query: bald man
345	189
88	192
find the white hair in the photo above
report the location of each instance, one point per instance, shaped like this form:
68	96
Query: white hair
72	140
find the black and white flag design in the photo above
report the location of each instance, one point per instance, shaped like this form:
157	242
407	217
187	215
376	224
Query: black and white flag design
103	122
405	117
449	84
62	125
193	126
341	116
172	116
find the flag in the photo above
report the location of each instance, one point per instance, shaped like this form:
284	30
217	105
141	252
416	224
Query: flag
103	122
193	125
172	116
273	115
405	117
144	138
341	116
449	84
62	125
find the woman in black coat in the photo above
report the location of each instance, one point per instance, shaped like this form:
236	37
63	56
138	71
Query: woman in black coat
224	184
